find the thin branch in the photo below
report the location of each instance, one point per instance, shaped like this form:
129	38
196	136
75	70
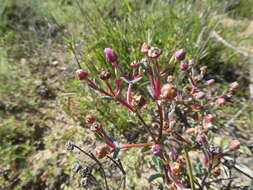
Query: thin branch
222	40
189	167
118	165
90	155
146	127
75	55
227	124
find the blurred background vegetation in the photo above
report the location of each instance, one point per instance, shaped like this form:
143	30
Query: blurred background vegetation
42	105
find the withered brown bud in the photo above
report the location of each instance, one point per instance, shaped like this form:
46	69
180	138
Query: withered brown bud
190	131
90	118
166	124
180	159
105	75
216	171
168	92
187	89
176	168
95	127
154	52
102	151
155	125
139	100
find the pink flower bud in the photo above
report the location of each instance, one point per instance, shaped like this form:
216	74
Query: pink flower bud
200	139
145	47
173	154
111	56
210	82
203	69
191	62
234	144
170	79
82	74
205	161
180	54
220	101
156	149
184	66
208	118
234	85
199	95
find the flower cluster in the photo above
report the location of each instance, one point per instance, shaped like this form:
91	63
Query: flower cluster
182	100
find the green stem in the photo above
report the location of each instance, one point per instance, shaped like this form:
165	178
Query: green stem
189	167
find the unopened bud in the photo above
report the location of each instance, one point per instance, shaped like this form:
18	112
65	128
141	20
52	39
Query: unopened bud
156	149
102	151
81	74
206	160
155	125
90	118
173	154
145	47
191	62
154	52
166	124
105	75
234	144
199	95
234	85
180	54
210	82
184	66
176	168
208	118
95	127
170	79
200	139
203	69
187	89
216	171
190	131
168	92
220	101
139	100
110	55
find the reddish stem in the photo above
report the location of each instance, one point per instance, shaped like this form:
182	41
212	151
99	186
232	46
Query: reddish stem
152	83
158	88
164	71
117	86
129	93
110	88
123	102
99	89
160	111
127	146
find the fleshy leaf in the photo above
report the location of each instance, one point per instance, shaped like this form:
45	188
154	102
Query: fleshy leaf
152	177
125	79
135	80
